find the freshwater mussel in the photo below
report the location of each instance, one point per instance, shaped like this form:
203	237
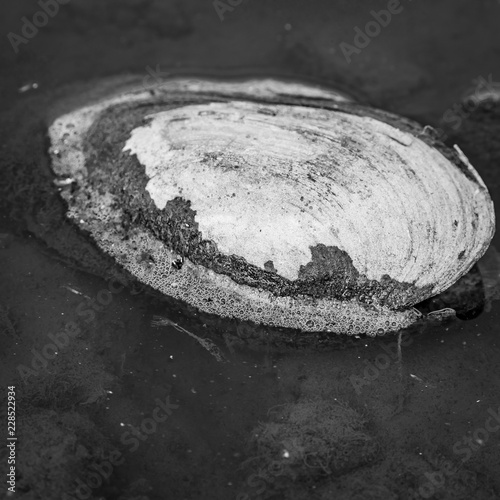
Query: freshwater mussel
283	204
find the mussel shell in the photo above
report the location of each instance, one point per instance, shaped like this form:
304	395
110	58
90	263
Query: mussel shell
305	211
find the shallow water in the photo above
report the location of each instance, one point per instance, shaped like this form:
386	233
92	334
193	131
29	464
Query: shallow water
415	410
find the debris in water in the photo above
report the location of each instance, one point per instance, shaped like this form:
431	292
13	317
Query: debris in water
400	358
63	182
208	344
489	267
72	290
95	396
28	86
426	384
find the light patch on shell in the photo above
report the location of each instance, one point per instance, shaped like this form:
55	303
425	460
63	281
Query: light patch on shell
262	87
271	186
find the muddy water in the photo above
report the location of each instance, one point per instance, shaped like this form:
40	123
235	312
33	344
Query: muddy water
211	430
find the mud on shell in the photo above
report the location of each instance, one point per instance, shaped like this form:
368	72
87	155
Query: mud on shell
260	200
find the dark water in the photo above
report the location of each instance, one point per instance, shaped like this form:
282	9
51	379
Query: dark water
364	422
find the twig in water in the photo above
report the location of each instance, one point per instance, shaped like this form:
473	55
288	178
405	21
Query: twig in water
206	343
400	358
